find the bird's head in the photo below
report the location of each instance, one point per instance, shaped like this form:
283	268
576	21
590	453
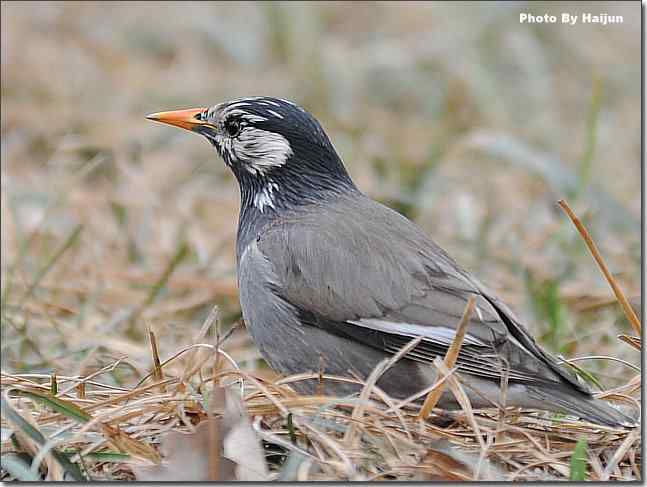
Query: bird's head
278	151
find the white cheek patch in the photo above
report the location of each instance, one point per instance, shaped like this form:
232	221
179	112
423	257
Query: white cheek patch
259	150
224	147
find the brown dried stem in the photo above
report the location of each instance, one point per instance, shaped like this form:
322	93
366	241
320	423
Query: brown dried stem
629	312
450	358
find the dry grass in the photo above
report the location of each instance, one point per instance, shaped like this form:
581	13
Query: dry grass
111	430
468	122
116	433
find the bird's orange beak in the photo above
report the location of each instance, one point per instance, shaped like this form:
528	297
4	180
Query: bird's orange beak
185	119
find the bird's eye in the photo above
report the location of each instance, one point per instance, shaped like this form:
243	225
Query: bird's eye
232	127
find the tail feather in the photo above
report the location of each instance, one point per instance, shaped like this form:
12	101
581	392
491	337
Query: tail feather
584	406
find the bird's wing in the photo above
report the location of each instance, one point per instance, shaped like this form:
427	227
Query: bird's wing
359	269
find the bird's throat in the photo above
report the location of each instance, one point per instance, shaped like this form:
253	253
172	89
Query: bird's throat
267	197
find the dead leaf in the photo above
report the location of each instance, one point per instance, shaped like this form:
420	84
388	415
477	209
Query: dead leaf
446	462
124	442
186	458
241	444
635	342
221	449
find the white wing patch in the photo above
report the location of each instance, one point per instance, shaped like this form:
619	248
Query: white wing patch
439	334
478	312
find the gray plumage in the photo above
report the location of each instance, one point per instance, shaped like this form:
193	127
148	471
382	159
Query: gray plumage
329	277
314	282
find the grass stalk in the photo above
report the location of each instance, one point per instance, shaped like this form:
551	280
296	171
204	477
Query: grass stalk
450	358
620	296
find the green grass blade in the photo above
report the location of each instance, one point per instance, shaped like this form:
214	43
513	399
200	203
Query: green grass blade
181	253
290	425
584	169
18	468
63	406
579	461
23	247
108	456
69	242
584	374
11	415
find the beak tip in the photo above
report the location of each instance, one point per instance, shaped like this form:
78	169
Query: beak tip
179	118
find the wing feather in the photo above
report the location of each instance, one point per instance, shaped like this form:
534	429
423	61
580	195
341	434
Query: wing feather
381	280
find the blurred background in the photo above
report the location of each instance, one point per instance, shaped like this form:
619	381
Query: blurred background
457	115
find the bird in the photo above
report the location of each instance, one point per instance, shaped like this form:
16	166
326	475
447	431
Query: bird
331	280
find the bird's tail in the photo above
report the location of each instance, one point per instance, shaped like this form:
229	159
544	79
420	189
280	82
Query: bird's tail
584	406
